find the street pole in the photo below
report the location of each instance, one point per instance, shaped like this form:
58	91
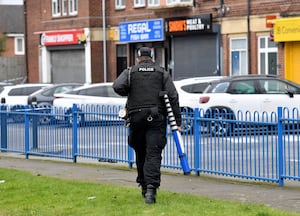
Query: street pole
104	42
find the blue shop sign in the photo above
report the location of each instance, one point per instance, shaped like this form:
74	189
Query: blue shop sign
143	30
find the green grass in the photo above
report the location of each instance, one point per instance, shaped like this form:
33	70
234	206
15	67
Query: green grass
24	194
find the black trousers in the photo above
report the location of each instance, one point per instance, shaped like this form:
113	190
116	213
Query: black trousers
148	139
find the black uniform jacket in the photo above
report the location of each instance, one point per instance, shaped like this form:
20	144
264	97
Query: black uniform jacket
122	87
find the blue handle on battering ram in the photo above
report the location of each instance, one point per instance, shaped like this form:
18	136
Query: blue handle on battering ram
177	137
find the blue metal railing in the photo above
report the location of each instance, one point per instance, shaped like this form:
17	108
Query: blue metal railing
254	146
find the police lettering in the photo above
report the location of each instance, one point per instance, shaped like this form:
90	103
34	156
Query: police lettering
146	69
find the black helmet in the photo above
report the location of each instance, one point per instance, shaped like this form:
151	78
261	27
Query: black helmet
145	51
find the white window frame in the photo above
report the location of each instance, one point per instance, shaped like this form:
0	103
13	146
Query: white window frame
139	3
152	3
73	7
56	8
19	48
120	4
265	50
64	8
171	2
243	57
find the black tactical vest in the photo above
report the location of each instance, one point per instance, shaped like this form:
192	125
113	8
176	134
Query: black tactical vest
146	81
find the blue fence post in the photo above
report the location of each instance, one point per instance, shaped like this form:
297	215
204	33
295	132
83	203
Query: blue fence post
34	130
130	153
197	134
3	127
27	142
130	157
74	133
280	146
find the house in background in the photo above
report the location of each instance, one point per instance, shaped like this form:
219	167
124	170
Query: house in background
12	44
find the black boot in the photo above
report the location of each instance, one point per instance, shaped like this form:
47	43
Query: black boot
144	189
150	196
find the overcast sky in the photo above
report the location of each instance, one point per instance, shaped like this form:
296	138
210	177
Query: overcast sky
11	2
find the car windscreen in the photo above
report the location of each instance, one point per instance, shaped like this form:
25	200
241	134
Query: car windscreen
195	88
97	91
1	89
277	87
220	87
57	89
24	91
242	87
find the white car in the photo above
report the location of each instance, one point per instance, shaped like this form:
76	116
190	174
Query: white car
255	95
103	94
92	98
16	98
189	91
18	94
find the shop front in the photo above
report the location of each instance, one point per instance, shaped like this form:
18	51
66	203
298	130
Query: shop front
195	46
185	46
287	32
65	56
140	33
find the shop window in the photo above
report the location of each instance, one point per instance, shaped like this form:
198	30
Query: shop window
153	3
121	58
19	45
73	7
267	56
238	54
119	4
139	3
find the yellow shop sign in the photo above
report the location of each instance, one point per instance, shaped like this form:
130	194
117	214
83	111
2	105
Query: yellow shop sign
287	29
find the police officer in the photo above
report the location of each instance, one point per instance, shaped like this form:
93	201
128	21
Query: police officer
142	83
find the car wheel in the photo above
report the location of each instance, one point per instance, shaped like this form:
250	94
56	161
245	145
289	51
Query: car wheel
47	118
219	124
187	122
79	118
44	120
16	117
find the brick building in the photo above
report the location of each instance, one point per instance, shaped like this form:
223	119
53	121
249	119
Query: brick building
67	42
